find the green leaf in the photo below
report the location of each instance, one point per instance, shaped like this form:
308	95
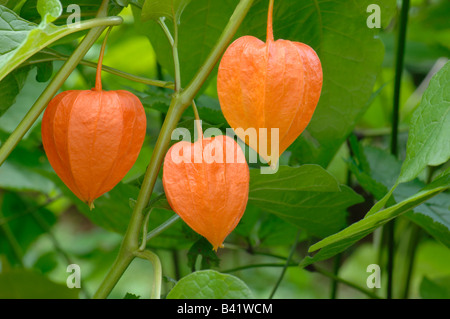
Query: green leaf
26	284
436	288
428	141
49	10
339	242
210	284
20	39
155	9
306	196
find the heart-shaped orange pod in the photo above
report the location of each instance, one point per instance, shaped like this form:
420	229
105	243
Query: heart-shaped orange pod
271	85
206	183
92	138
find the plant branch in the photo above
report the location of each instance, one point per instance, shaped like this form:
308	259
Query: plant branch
157	271
158	230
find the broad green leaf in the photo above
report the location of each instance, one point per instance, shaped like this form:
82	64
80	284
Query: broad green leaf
306	196
436	288
428	141
26	284
20	39
155	9
49	10
339	242
210	284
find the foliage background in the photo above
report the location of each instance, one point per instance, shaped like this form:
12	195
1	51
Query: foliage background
43	226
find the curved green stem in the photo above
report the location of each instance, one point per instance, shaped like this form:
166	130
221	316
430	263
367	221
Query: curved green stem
53	88
157	271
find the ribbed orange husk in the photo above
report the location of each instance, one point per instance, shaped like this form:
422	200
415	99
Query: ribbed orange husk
276	84
93	138
210	195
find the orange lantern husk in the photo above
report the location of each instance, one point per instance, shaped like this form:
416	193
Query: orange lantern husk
92	138
269	85
209	194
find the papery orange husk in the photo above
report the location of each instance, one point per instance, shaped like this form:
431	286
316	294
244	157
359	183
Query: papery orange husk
92	138
205	188
269	85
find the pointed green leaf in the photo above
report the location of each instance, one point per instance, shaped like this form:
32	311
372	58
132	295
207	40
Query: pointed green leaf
307	196
428	141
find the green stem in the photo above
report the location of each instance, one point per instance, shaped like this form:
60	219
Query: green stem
401	40
61	33
122	74
157	271
414	240
288	261
174	44
400	54
52	88
158	230
176	60
166	31
334	283
180	102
